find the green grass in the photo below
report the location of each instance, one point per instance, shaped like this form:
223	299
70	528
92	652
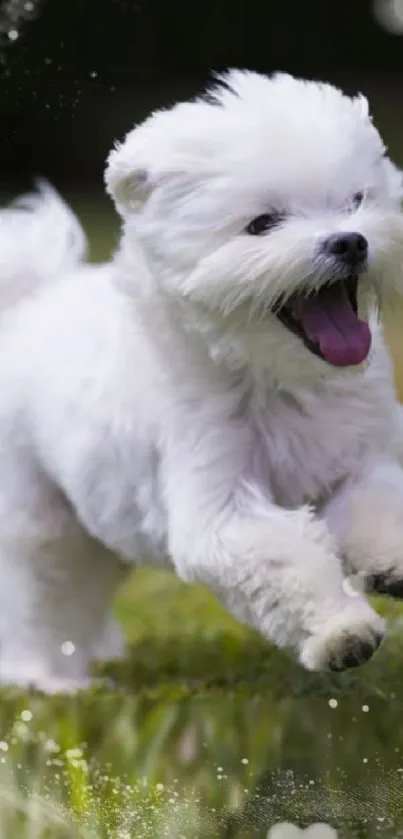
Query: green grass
200	647
204	730
197	692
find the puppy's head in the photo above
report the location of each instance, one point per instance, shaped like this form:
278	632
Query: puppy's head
269	203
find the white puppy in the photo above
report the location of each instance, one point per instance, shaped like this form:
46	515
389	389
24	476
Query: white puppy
211	400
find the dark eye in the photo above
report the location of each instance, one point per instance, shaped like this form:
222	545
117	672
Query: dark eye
358	199
261	224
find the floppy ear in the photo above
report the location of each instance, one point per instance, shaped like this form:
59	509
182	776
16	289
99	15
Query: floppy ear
127	181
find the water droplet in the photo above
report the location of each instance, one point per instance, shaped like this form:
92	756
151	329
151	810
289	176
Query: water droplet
365	708
74	754
51	746
68	648
333	703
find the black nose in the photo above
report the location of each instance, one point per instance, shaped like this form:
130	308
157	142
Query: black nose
350	248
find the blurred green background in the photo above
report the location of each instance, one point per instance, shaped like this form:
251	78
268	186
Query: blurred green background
204	730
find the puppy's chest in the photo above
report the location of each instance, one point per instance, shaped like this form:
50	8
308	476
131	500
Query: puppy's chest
307	443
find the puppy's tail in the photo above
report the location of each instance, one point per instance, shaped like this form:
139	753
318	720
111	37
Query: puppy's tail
40	238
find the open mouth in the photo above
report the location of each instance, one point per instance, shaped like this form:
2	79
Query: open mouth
328	324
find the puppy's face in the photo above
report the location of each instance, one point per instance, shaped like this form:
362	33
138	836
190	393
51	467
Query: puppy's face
270	204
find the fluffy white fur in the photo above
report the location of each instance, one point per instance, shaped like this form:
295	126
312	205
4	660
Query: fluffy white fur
155	410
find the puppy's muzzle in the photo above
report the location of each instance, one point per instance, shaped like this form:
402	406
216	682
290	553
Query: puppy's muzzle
350	249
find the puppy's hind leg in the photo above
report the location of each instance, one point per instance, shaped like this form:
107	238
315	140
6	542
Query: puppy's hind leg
111	643
110	646
56	589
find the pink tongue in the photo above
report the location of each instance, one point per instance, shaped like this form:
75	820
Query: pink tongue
329	320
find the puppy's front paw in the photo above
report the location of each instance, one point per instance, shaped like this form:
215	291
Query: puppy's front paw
347	641
374	546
